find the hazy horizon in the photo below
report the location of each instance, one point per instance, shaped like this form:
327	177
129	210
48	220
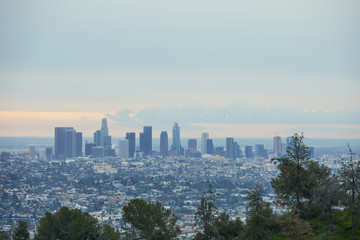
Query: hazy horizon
250	69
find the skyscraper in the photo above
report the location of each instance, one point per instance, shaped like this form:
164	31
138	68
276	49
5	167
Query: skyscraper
130	136
70	142
192	145
230	153
260	150
176	145
49	153
78	144
277	146
209	146
248	152
146	140
164	144
88	148
60	143
105	139
124	148
204	138
97	137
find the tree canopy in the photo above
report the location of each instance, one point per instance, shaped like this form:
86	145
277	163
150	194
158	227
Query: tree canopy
21	232
149	221
68	224
259	221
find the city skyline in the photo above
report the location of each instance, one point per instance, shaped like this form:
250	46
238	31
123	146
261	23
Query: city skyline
234	68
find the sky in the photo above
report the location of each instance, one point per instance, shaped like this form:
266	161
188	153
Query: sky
251	68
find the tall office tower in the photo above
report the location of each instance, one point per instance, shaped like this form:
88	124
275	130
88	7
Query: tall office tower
105	139
32	152
146	140
277	146
164	144
49	153
130	136
70	142
88	147
192	145
248	152
209	146
230	153
289	141
176	145
78	144
97	137
124	148
237	151
259	150
60	143
204	138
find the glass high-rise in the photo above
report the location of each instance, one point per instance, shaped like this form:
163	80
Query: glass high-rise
176	144
164	148
130	136
204	138
146	140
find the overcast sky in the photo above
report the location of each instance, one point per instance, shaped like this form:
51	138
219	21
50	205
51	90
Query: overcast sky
232	68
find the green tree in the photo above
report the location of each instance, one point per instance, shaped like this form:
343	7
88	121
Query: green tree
205	217
298	176
68	224
327	195
228	229
350	180
259	222
149	221
3	236
21	232
109	233
294	227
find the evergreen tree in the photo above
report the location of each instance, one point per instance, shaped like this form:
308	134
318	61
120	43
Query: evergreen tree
149	221
3	236
350	180
205	217
68	224
228	229
21	232
293	185
295	228
109	233
259	221
327	195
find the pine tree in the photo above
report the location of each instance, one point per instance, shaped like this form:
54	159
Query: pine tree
109	233
293	185
3	236
205	217
296	228
149	221
259	221
68	224
21	232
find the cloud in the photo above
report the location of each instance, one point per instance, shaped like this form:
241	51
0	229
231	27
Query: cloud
190	115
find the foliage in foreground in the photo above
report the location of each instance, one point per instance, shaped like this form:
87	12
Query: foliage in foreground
73	224
149	221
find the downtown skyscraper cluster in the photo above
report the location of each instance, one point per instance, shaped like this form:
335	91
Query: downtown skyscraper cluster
68	144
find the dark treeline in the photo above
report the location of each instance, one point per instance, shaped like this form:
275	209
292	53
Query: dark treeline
318	204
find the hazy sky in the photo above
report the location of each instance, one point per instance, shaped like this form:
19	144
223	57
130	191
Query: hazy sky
232	68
